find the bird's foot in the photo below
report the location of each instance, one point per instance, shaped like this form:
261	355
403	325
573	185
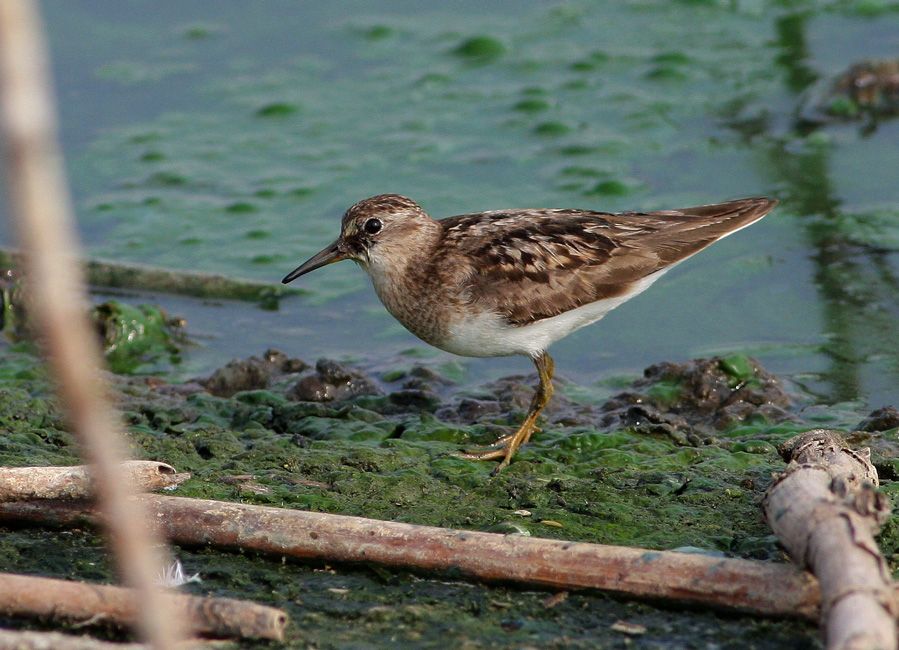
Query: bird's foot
505	447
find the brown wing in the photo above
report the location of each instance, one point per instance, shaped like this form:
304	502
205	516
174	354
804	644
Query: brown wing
532	264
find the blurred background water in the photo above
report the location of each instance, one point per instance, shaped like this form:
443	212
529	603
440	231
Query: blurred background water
231	136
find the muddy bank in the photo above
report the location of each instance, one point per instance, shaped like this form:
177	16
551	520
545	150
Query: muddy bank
324	436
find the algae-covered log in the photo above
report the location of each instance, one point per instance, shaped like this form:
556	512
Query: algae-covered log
22	483
745	585
79	602
104	273
825	511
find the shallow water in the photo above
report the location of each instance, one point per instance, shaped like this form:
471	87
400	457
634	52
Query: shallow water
232	141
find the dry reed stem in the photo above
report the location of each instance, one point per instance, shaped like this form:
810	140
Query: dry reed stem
40	202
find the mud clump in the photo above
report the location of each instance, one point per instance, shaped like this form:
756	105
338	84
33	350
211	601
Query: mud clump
332	382
882	419
690	402
866	89
253	373
510	397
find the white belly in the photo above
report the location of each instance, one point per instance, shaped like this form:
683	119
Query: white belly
488	335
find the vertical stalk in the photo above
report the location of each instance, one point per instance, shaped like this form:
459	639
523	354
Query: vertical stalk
41	205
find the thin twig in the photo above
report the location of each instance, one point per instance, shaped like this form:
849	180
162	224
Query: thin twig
40	201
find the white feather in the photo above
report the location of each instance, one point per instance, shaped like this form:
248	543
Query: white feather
488	335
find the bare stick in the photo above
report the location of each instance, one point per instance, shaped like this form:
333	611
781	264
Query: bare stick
27	640
79	602
825	511
746	585
40	201
26	483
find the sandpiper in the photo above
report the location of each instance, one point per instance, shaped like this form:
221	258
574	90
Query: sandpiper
509	282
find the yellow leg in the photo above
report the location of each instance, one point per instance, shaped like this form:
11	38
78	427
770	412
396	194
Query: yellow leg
506	446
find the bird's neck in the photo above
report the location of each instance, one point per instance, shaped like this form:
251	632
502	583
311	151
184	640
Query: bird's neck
398	268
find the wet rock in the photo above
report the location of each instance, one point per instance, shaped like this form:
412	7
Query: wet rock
332	382
415	399
881	420
253	373
690	401
471	410
511	396
418	377
186	389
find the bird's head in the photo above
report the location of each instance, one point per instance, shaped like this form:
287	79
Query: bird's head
379	228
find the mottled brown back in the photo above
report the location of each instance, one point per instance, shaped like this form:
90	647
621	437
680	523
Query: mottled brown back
532	264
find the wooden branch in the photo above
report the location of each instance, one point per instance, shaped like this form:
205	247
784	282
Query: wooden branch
119	275
745	585
825	511
28	640
26	483
42	209
79	602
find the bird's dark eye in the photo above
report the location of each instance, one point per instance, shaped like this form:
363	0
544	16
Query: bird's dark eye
372	226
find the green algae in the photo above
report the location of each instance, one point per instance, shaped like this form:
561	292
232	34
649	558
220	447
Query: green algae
276	109
134	336
571	482
480	48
